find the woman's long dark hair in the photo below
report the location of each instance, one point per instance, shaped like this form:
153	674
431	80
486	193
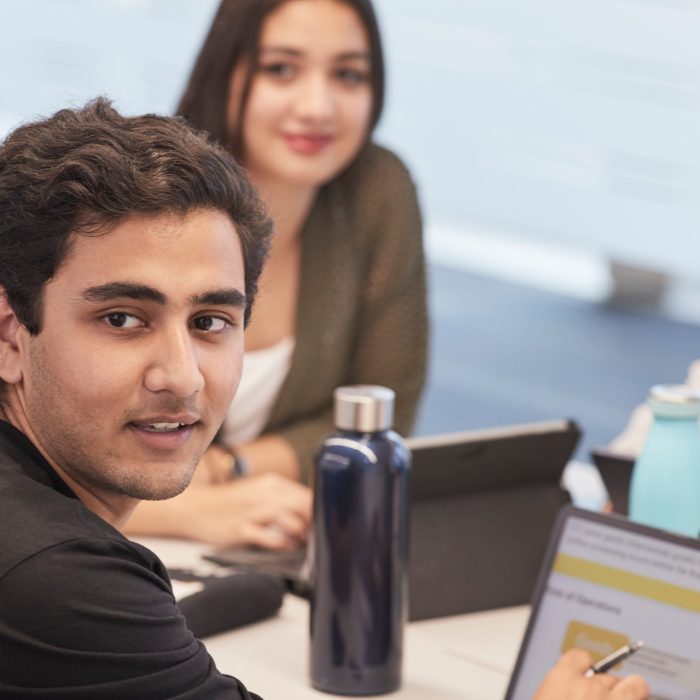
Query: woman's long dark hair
233	40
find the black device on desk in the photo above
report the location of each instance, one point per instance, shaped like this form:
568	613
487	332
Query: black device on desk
482	506
223	602
607	582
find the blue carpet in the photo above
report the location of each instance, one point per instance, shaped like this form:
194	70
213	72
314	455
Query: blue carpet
502	353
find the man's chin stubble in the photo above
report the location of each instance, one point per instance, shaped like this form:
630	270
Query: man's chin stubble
141	488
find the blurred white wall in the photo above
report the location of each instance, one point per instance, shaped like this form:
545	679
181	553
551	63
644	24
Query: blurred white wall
575	125
55	53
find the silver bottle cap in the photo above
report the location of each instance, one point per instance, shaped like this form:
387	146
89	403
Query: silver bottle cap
364	408
674	400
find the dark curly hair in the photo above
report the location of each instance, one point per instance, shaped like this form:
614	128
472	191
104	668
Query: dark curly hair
85	170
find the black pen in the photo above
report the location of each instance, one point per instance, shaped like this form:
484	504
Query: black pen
613	659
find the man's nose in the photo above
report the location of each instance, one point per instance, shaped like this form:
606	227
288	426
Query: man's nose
174	365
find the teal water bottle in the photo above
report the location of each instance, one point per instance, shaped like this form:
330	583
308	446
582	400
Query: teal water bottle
665	489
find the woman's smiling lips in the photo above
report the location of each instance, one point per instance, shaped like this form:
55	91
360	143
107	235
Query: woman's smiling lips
307	144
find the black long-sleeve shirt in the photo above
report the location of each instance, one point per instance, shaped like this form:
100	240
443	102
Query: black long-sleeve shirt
84	612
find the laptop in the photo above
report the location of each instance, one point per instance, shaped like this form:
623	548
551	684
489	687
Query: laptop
616	471
607	582
482	505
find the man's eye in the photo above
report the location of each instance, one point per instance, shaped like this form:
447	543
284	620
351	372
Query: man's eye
210	323
120	319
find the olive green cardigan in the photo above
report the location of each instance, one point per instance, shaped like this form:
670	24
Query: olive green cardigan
361	313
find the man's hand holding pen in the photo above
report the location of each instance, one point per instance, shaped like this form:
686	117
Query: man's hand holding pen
570	680
614	659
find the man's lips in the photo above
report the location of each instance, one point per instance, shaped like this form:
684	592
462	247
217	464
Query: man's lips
165	423
308	144
164	434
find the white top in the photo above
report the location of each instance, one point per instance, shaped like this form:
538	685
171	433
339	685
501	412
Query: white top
264	372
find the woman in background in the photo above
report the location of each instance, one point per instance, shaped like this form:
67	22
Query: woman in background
294	89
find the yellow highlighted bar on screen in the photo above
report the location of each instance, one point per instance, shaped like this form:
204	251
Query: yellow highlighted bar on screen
598	641
621	580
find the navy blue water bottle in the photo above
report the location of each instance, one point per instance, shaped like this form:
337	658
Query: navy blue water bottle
360	548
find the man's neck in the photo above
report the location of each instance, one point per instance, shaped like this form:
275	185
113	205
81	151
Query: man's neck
114	509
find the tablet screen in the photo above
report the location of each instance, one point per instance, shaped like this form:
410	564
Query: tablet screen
611	583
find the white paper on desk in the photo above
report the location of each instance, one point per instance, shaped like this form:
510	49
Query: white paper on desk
183	589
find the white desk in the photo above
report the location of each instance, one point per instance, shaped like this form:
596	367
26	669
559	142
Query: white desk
467	657
464	657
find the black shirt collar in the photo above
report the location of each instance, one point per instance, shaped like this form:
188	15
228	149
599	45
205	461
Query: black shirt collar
22	442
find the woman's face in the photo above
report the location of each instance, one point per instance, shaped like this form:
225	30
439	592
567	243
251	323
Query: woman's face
310	100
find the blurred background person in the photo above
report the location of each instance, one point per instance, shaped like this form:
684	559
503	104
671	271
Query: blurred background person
294	90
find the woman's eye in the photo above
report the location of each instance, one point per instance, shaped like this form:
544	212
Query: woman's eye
211	324
278	70
352	76
120	319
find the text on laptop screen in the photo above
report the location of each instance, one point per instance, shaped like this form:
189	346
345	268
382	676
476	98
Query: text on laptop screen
609	586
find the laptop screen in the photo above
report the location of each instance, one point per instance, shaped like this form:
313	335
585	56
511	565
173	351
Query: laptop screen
606	583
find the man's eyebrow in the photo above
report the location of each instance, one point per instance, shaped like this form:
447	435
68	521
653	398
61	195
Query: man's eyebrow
220	297
142	292
122	290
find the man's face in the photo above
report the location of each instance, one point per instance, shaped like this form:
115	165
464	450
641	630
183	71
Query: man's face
139	354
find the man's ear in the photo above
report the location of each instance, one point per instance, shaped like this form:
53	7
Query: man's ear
10	330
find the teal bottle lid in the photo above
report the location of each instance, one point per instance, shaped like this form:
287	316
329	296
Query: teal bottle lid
674	401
